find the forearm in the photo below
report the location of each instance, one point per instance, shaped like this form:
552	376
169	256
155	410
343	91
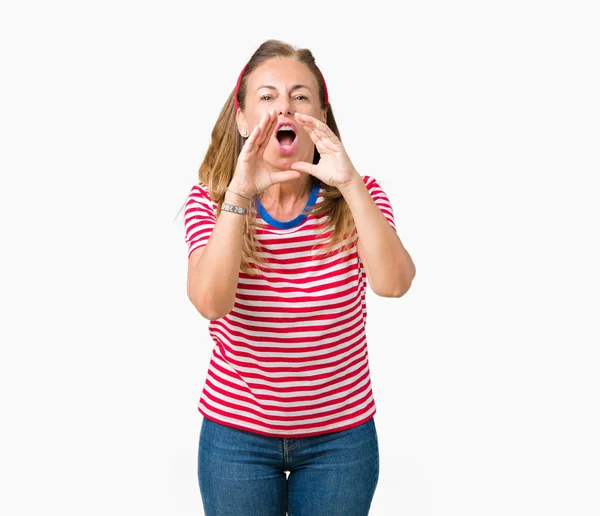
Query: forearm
389	266
212	283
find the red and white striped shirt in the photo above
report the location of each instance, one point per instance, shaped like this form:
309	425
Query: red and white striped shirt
291	358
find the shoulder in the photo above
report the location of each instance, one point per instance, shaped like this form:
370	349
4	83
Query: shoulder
199	193
371	182
375	186
199	202
200	190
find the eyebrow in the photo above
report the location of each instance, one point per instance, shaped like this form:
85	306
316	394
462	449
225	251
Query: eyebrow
294	87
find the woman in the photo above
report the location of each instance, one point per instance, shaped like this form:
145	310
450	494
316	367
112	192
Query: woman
283	235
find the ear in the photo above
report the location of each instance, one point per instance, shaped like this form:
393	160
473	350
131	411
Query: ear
241	122
324	117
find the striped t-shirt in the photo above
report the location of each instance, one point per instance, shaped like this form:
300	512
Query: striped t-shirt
290	359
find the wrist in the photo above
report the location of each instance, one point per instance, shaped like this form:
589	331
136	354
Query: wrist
237	200
244	190
356	183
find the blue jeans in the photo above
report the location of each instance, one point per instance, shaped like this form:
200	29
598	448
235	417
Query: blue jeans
242	473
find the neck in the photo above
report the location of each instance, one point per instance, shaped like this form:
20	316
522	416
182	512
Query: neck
287	193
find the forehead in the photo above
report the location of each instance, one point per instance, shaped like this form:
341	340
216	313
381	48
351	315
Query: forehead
281	71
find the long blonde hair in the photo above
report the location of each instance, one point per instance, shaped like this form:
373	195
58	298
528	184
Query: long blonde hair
218	167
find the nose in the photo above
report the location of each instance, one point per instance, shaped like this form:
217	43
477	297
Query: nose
284	107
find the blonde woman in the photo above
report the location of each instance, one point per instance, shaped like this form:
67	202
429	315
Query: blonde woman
283	237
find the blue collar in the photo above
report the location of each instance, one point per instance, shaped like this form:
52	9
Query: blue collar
312	199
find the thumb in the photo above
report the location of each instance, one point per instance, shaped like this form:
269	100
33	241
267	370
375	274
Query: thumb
305	167
280	177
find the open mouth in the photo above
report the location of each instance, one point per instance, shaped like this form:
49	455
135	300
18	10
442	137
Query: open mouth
286	136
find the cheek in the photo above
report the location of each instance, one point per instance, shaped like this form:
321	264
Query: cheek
255	113
309	110
253	120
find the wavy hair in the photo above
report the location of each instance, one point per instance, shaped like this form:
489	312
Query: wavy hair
219	164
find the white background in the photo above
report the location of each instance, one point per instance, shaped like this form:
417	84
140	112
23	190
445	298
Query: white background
481	121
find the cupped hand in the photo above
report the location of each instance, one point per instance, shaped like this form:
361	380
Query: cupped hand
334	167
251	176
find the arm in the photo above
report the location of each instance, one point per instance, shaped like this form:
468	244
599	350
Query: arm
390	269
213	267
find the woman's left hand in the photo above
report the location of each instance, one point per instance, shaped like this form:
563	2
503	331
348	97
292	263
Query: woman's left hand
334	167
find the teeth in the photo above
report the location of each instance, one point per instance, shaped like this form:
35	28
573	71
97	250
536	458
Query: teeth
286	128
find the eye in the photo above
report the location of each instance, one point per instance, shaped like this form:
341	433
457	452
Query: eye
297	97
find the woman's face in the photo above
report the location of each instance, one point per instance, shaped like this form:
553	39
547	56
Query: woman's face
285	86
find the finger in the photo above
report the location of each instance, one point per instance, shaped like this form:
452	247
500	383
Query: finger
307	168
318	139
264	122
255	137
325	140
310	121
304	117
268	133
280	177
250	143
311	132
317	136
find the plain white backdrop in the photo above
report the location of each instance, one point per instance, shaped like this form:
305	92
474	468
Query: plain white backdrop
481	121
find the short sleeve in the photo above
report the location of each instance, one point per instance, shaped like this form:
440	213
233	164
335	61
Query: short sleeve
199	218
381	199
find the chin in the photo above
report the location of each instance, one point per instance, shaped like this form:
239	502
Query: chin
283	161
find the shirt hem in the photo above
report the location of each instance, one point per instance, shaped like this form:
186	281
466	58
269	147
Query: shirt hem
290	436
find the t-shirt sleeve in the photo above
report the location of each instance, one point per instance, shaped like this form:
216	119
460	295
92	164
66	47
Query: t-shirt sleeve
199	218
381	199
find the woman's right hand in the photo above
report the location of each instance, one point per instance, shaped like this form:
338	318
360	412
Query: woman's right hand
252	176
